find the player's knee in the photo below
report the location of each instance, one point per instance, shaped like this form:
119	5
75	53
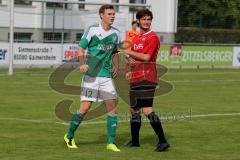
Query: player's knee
153	117
112	110
84	109
136	116
134	110
147	111
83	112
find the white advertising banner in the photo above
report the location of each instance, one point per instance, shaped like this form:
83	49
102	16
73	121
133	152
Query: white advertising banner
37	54
236	57
4	54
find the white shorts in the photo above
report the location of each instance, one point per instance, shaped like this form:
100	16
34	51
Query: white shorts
97	89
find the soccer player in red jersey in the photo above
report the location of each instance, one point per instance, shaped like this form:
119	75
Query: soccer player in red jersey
143	79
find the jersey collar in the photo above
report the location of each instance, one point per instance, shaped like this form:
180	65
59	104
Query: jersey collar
100	25
146	33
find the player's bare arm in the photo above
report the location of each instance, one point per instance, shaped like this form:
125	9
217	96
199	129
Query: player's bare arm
139	56
83	66
115	60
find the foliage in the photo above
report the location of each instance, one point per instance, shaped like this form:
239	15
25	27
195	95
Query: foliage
196	35
209	13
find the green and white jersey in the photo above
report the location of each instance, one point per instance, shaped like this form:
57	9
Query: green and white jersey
100	45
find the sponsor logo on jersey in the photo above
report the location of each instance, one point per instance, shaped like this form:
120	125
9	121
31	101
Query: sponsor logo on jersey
106	47
138	46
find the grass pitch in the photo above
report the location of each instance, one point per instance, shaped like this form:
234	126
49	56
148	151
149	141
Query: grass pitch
201	117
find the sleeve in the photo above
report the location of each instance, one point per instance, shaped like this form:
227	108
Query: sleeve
127	36
118	38
153	45
85	38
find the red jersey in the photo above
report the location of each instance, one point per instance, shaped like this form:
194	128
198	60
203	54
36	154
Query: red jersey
147	43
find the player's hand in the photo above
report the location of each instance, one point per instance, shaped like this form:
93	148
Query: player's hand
114	72
131	61
84	68
122	51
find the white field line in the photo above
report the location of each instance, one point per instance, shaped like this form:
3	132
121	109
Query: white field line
204	80
201	73
27	74
173	81
189	117
27	120
168	73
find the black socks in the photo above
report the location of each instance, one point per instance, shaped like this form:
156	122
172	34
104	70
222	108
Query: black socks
157	126
135	124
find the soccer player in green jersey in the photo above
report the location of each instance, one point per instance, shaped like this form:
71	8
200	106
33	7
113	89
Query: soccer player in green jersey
100	42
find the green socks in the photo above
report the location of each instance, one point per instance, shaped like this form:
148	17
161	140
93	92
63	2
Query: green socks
111	128
75	122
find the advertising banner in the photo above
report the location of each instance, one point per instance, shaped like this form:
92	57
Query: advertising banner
4	54
169	55
236	57
37	54
195	55
70	53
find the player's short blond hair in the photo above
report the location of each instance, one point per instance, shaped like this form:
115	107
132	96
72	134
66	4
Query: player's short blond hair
104	7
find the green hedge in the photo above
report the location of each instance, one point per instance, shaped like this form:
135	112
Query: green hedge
196	35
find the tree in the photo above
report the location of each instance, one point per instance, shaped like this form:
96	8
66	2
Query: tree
209	13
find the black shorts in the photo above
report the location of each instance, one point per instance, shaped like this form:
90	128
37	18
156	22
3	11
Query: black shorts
142	94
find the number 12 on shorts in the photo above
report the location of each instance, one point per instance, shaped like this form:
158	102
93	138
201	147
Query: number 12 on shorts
88	93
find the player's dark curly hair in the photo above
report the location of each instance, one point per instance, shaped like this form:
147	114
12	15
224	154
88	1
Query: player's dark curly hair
134	22
144	12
